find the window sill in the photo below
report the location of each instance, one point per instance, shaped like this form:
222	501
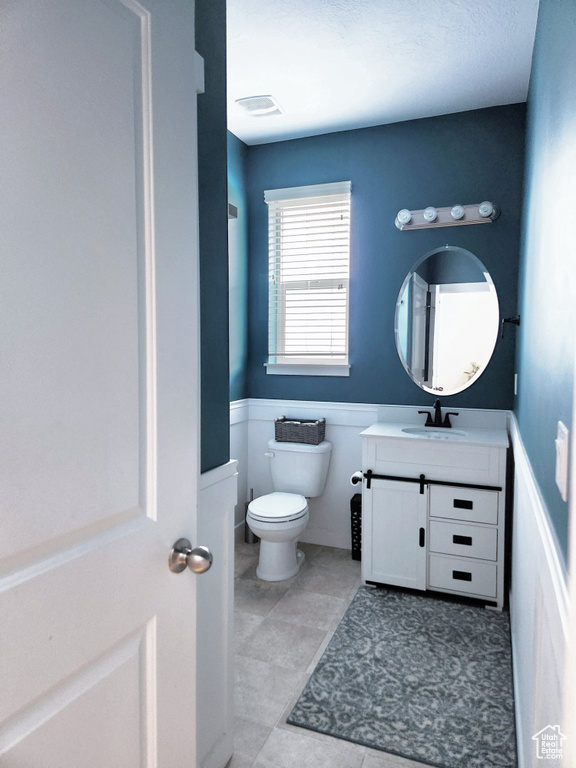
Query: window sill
287	369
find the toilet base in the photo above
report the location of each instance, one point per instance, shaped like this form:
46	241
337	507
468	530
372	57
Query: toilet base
279	560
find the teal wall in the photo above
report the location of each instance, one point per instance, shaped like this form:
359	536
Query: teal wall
548	284
238	267
464	158
213	212
461	158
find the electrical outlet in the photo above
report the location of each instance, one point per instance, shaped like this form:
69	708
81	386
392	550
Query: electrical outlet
561	441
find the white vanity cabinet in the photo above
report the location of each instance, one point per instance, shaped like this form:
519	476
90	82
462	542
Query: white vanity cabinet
433	510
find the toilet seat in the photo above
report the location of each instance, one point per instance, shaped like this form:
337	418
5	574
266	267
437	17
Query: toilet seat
278	507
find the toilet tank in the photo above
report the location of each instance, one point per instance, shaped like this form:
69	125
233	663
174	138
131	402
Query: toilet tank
299	467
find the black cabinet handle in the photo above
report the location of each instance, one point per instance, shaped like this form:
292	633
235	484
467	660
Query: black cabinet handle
462	575
422	541
465	540
463	504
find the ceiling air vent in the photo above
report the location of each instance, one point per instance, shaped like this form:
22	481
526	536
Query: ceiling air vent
260	106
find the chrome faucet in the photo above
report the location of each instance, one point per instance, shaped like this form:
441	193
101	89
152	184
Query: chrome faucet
437	420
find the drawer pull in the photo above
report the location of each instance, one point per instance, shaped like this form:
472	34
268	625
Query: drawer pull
462	575
465	540
422	540
463	504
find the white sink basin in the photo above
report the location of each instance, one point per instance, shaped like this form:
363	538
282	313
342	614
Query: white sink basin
435	433
416	434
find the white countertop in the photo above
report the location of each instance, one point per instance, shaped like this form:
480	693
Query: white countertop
497	437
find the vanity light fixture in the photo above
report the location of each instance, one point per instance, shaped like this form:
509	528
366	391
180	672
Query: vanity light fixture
451	216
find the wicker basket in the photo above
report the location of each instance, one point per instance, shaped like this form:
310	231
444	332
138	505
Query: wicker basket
299	430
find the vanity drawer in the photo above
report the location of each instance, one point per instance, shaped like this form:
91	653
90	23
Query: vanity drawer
464	540
466	504
461	575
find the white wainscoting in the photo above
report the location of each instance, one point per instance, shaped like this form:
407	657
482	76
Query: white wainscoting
538	600
239	422
215	598
252	425
538	581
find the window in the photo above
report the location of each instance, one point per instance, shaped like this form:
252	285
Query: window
309	268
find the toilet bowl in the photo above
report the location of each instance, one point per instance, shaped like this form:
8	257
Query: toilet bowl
279	518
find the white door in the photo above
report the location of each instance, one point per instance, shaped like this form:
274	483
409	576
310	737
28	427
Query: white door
98	383
419	348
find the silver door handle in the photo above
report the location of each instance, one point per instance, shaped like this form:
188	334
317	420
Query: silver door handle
198	559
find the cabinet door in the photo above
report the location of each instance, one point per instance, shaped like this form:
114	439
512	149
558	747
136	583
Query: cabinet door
393	534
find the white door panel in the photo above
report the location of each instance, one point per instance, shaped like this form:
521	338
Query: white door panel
99	385
70	266
394	518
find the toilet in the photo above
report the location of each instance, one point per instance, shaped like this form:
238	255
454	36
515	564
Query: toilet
298	472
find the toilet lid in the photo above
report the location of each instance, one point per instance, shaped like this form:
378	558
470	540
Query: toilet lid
278	507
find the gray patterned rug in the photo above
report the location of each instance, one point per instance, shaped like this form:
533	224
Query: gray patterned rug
419	676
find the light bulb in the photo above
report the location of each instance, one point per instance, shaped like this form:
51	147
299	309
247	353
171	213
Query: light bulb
457	212
486	209
404	216
430	213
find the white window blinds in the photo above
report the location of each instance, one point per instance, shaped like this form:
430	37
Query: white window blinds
309	267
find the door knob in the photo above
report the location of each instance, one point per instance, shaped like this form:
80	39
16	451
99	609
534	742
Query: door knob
198	559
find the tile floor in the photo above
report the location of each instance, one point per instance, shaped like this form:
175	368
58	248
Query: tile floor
281	630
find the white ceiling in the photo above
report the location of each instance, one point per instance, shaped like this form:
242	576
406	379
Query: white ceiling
334	65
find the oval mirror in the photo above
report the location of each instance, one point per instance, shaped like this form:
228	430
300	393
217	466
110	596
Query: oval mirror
447	320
